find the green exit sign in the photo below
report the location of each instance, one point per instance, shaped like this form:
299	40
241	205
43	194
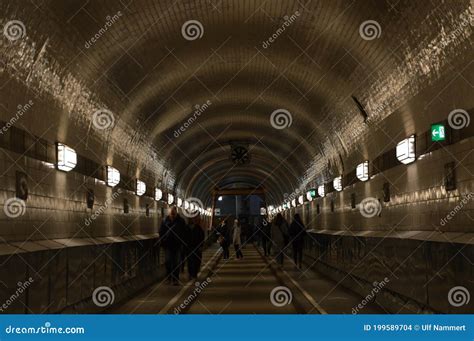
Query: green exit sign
312	192
438	133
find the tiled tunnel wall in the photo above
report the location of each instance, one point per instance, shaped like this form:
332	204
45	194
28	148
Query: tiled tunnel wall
418	197
420	273
407	242
64	251
55	241
65	275
64	279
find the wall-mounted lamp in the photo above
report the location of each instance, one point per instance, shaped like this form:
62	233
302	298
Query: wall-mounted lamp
406	150
140	188
113	176
66	157
362	171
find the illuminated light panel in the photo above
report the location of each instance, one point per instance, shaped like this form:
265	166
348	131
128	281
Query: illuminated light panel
362	171
301	199
186	204
180	202
170	199
293	202
140	188
113	176
309	196
337	183
220	198
263	211
321	191
158	194
406	150
66	157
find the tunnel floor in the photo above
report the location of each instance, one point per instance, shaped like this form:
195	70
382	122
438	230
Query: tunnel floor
245	287
241	286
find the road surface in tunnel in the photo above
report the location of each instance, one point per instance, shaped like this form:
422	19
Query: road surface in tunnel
241	287
253	285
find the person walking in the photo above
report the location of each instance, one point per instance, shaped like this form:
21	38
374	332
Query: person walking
265	233
171	239
224	238
297	234
194	245
279	235
236	239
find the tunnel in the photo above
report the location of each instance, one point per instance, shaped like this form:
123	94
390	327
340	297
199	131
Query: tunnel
236	157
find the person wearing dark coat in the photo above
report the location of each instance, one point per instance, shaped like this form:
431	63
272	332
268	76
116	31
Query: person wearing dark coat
279	237
172	240
265	233
225	238
194	246
297	233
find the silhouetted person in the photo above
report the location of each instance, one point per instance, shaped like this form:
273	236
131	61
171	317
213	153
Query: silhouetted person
265	233
224	238
171	237
297	233
194	246
236	239
279	237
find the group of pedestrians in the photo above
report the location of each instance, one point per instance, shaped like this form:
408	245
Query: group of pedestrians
279	236
183	244
227	235
183	241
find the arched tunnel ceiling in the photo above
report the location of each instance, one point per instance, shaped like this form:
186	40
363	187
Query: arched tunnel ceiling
144	69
